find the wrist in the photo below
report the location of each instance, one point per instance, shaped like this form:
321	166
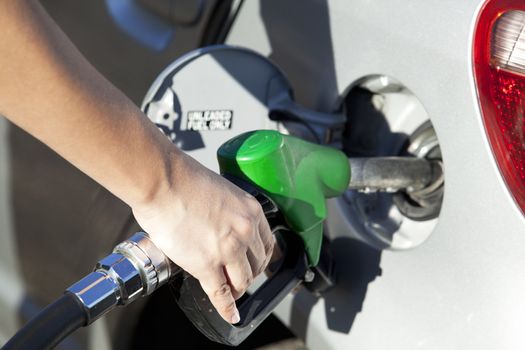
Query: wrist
160	183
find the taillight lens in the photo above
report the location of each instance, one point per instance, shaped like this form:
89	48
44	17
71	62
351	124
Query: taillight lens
499	70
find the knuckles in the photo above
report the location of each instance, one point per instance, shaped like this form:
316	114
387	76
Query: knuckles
223	291
253	206
235	246
245	226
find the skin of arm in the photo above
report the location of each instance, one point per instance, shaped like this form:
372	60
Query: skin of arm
206	225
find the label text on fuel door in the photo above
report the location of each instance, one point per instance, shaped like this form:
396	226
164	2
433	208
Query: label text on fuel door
208	120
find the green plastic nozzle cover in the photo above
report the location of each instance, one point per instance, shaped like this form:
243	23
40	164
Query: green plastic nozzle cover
297	175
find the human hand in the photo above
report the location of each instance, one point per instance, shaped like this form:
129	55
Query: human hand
212	229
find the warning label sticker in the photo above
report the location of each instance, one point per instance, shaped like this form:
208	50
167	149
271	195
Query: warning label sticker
208	120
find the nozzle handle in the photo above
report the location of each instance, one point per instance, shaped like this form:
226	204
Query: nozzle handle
253	309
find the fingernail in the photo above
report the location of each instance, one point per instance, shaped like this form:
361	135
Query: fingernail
236	317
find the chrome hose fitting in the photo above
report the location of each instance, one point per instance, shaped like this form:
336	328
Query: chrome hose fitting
135	268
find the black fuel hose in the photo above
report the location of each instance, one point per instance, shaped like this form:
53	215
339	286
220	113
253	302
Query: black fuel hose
135	268
50	326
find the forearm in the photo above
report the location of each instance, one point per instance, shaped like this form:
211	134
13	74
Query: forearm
49	89
202	222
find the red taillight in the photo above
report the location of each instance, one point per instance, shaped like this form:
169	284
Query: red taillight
499	70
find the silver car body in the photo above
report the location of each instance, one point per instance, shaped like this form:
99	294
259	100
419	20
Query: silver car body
462	288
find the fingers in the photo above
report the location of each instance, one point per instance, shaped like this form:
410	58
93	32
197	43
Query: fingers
262	226
256	255
216	286
240	275
266	235
268	240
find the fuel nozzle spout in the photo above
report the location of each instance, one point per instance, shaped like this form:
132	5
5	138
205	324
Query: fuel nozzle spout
299	175
392	174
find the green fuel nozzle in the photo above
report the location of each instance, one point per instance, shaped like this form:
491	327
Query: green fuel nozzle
297	175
